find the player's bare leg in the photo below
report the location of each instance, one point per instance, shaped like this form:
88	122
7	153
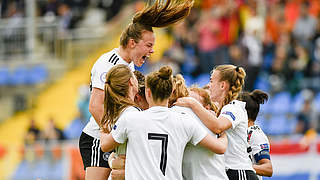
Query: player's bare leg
97	173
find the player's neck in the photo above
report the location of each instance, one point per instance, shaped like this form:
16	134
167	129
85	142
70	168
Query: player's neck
124	54
250	123
162	103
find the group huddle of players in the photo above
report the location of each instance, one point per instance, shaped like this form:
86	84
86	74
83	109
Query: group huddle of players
156	127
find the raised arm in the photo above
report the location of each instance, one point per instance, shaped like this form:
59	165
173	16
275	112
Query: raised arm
107	142
216	145
263	168
96	104
216	125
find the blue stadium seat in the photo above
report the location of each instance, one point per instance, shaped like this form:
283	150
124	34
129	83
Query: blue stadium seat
202	79
37	74
262	122
189	80
316	101
262	83
4	76
19	76
42	169
281	103
297	102
56	170
277	125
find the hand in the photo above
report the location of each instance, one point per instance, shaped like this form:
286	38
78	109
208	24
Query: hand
117	174
223	135
116	161
185	101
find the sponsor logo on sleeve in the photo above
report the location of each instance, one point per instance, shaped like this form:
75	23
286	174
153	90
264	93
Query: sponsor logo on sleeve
230	114
103	77
264	146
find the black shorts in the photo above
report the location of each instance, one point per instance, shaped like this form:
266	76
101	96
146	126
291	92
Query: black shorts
241	175
91	153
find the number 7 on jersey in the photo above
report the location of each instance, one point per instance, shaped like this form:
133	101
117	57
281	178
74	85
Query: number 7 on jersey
164	147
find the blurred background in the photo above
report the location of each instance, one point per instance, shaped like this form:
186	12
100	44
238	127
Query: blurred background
48	47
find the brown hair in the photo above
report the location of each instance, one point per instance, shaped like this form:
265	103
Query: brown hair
159	14
160	83
116	95
141	82
206	98
179	90
253	101
235	77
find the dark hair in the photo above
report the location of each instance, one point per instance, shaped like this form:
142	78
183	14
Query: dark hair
253	101
160	83
141	82
158	14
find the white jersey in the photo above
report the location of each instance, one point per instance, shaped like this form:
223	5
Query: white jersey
259	145
200	162
236	155
156	139
98	79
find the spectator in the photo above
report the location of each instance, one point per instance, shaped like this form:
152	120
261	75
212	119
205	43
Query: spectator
52	132
305	27
33	133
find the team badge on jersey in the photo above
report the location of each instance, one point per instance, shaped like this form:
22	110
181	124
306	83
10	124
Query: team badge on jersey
103	77
114	127
230	114
105	156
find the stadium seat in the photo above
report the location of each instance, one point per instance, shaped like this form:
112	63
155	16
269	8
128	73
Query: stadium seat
262	83
277	125
316	101
189	80
56	170
297	102
4	76
19	76
262	121
202	80
281	103
37	74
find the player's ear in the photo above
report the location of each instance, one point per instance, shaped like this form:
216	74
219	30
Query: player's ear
224	85
131	43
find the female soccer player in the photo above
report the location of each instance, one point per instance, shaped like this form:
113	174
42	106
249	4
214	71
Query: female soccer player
198	162
259	149
156	137
120	89
136	45
226	82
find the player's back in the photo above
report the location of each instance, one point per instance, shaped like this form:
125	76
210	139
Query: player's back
199	162
156	141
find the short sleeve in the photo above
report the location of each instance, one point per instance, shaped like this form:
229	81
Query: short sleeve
119	130
260	146
98	73
230	112
197	131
